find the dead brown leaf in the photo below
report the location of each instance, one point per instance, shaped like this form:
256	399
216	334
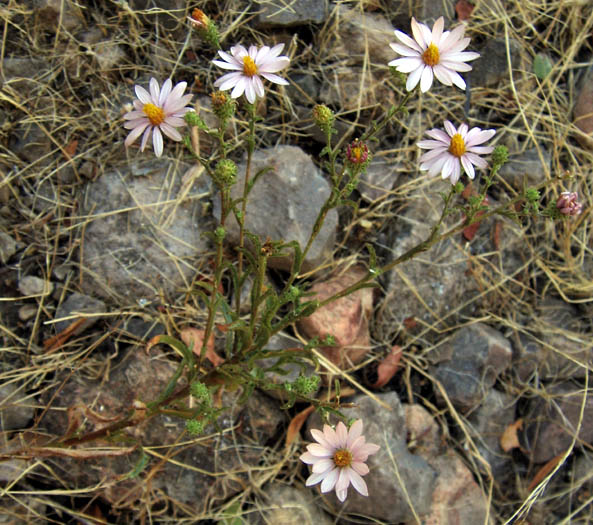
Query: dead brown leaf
510	437
388	367
464	9
544	471
296	424
194	337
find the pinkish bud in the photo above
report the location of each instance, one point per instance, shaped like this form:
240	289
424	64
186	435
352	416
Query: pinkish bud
568	203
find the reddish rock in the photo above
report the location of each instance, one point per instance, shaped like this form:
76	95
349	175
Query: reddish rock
583	112
457	498
347	319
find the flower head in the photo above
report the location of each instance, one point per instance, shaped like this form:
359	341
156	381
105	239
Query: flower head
247	69
338	459
160	110
451	151
432	54
568	203
198	19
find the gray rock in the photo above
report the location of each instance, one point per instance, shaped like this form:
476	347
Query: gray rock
7	247
303	89
236	448
57	14
565	352
492	68
19	72
551	421
28	311
470	362
108	55
432	286
32	144
295	13
388	500
15	409
288	505
425	11
284	203
526	169
583	111
75	304
141	235
488	422
379	178
31	285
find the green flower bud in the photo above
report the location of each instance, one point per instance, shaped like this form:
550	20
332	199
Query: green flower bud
223	106
201	392
195	427
225	173
205	28
220	233
324	118
500	155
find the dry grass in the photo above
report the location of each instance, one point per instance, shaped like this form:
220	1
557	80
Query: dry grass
72	104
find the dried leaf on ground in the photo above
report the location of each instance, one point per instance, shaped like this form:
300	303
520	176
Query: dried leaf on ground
510	438
388	367
544	471
296	424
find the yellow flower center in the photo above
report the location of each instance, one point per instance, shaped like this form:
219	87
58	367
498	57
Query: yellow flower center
457	146
249	67
342	458
155	114
357	153
431	56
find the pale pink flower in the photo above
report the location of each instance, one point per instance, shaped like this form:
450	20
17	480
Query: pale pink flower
247	69
432	54
568	203
454	150
338	459
160	110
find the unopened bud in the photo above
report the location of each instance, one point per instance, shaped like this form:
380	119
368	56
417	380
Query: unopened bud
568	203
500	156
324	118
205	27
223	106
225	173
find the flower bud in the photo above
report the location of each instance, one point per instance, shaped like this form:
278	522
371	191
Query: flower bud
500	156
225	173
568	203
223	105
324	118
205	27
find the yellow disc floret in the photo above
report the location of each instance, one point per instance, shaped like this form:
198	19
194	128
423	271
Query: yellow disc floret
431	56
457	146
249	67
155	114
342	458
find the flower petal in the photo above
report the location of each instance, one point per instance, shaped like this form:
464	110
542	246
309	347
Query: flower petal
426	80
358	483
135	133
157	141
329	481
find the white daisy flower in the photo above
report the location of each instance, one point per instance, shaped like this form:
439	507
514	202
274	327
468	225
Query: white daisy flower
161	110
451	151
338	459
432	54
247	69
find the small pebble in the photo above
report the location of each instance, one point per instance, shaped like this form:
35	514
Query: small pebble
31	285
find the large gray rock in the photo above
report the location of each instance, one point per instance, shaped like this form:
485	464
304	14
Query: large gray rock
79	304
15	410
141	235
299	12
552	421
284	203
193	474
470	362
526	169
487	424
286	505
493	68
